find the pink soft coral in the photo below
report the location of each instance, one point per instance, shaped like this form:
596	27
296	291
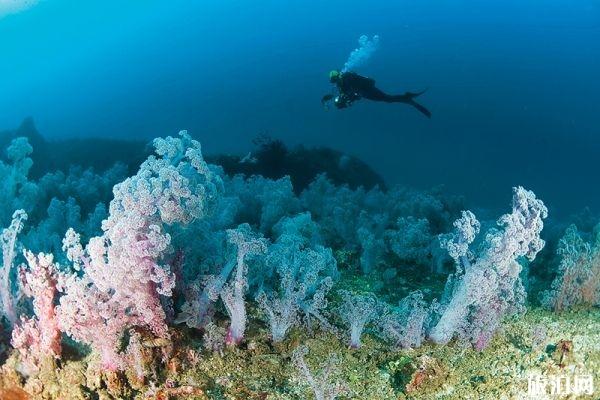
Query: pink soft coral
38	337
124	273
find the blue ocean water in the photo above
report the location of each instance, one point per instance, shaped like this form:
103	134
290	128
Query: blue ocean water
235	237
513	85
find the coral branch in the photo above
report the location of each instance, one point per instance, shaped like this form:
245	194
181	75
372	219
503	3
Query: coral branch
39	337
490	287
9	252
234	293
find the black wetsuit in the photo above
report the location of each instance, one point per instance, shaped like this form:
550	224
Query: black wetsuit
353	86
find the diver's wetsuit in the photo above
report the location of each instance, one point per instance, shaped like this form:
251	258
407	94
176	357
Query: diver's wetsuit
353	86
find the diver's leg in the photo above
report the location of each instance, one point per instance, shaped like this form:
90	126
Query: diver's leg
408	98
372	93
375	94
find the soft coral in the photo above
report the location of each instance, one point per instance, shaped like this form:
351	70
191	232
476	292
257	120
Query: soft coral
124	273
39	337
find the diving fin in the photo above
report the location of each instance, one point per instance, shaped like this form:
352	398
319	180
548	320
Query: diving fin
419	107
411	95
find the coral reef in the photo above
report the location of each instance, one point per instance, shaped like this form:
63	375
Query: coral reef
321	383
233	294
578	279
357	311
39	338
9	252
192	283
272	159
487	286
406	325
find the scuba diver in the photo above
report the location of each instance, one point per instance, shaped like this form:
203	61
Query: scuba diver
351	86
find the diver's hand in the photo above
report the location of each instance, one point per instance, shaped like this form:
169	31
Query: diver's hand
342	101
326	98
325	101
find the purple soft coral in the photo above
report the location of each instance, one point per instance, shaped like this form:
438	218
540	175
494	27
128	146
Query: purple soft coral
9	252
489	287
233	294
357	311
577	282
306	272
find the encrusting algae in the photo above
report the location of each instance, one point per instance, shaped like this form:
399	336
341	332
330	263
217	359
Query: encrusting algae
260	370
